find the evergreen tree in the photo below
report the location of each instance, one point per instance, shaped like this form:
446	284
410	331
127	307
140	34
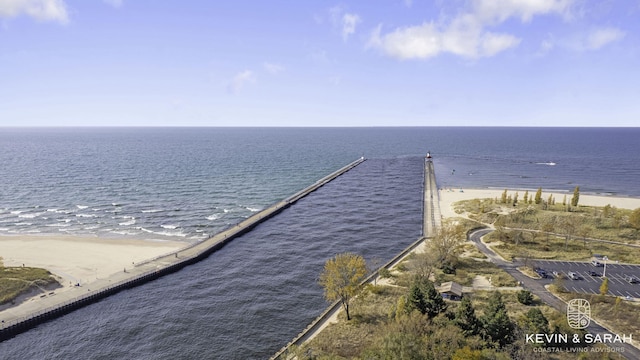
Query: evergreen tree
576	196
538	198
434	303
504	196
415	299
535	322
496	323
525	297
525	198
466	318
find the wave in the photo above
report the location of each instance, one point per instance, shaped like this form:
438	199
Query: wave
29	216
86	215
163	233
546	163
171	227
252	209
16	212
58	225
127	223
152	211
213	217
81	207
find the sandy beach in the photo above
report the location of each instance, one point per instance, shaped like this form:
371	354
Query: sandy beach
77	259
450	196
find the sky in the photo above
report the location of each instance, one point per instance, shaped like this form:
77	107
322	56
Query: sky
320	63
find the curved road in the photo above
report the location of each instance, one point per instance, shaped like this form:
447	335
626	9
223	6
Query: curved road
630	352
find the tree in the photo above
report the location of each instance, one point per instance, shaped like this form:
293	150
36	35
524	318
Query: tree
576	196
525	297
538	198
415	299
569	226
446	241
604	287
515	199
424	297
496	323
535	322
634	219
341	278
423	263
504	196
525	198
435	304
466	318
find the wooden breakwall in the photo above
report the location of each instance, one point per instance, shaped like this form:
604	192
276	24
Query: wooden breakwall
149	270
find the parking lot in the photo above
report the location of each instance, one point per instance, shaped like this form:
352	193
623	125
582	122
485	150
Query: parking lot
589	284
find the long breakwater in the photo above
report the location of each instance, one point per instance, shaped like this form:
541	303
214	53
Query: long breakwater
17	320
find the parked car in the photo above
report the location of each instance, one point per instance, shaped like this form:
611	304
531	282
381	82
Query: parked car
596	263
573	276
593	273
631	279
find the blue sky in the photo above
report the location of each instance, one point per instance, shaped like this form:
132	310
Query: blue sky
319	63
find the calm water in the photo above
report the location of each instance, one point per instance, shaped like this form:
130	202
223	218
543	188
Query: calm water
254	295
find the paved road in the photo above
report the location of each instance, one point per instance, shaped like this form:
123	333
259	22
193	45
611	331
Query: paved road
537	287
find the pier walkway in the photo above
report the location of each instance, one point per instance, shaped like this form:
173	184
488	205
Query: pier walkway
20	318
431	202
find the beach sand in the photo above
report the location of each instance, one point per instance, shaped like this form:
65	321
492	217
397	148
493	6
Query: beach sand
78	259
450	196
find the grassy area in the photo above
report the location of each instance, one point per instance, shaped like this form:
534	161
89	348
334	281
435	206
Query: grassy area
555	232
17	280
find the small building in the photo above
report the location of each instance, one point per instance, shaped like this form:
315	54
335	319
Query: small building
450	290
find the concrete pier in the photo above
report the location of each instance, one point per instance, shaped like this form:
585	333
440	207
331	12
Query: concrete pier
431	201
27	315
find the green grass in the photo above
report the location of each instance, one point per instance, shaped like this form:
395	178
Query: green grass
17	280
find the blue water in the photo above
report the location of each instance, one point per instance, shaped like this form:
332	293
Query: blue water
253	296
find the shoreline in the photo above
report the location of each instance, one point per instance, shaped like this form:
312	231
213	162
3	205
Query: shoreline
449	196
79	259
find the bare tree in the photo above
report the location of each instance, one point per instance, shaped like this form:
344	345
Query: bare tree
446	242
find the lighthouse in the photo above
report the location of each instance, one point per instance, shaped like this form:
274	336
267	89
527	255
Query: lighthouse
428	154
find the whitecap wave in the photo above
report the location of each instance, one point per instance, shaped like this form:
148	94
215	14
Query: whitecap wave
213	217
81	207
86	215
171	227
152	211
253	209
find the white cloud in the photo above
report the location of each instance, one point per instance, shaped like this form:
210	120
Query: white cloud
239	81
43	10
603	36
501	10
273	68
466	34
426	41
344	21
349	23
114	3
